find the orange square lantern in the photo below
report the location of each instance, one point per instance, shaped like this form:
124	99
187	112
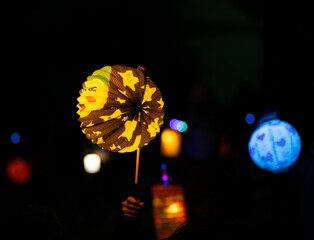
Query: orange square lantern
168	209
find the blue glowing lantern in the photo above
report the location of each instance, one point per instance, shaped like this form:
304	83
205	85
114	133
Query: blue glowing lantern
274	145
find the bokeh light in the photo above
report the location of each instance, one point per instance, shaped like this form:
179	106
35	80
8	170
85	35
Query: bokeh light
170	143
164	173
164	177
250	118
92	163
19	171
178	125
15	138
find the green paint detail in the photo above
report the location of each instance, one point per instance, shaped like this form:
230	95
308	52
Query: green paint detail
102	74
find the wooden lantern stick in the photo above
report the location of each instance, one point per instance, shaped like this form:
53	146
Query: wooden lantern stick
137	165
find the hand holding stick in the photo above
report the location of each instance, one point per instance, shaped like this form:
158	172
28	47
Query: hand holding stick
131	208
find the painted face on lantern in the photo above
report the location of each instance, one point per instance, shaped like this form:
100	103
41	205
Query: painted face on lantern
120	108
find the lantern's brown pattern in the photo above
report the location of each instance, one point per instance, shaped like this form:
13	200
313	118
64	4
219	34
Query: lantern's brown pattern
120	108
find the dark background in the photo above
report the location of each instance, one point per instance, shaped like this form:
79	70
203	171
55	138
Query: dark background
214	62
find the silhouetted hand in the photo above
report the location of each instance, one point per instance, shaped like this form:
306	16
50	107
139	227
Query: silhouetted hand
131	208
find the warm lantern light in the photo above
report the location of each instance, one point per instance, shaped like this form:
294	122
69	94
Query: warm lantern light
174	208
92	163
274	145
19	171
171	143
168	209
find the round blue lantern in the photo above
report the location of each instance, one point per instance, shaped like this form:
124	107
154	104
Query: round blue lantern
274	145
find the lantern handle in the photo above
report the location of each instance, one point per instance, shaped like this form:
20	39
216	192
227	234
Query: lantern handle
135	190
137	165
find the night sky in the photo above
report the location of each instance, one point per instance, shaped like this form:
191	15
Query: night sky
213	61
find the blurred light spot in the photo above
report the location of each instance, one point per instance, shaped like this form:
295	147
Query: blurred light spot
165	177
172	123
178	125
92	163
170	143
166	183
15	138
19	171
250	118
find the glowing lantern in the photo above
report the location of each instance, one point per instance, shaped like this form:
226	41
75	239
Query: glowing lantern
168	209
19	171
171	143
274	145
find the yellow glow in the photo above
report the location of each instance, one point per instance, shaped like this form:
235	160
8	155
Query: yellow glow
170	143
173	208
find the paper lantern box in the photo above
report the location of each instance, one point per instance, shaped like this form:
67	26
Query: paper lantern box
168	209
